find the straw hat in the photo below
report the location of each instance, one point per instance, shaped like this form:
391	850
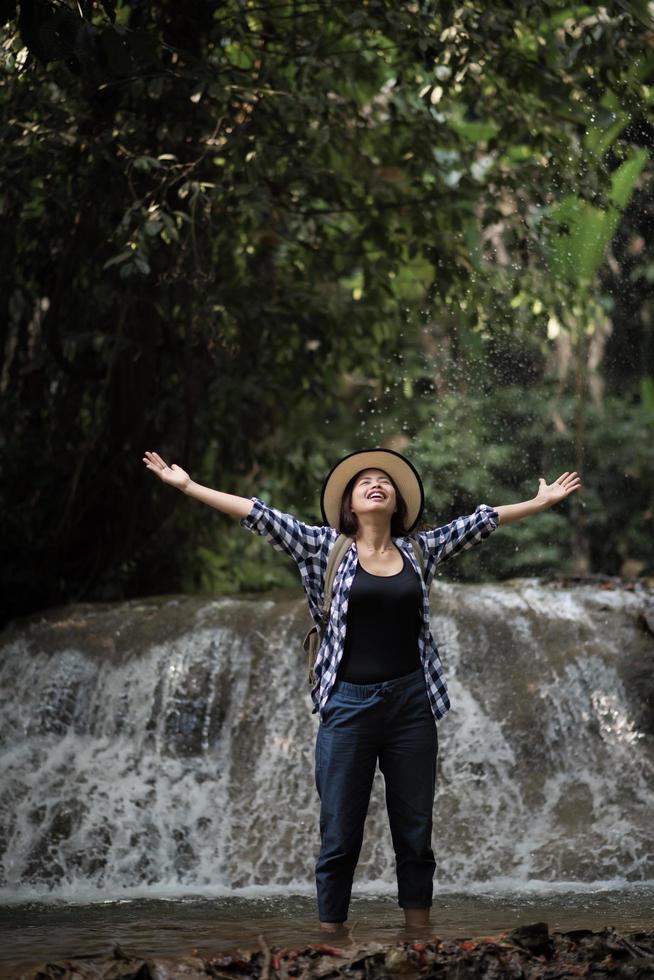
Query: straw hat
401	471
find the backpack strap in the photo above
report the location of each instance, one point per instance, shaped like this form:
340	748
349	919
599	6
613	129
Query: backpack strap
336	555
420	558
313	637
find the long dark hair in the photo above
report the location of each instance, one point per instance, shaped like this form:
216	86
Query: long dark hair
349	522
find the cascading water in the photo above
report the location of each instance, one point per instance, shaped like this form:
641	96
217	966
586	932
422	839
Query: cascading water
167	745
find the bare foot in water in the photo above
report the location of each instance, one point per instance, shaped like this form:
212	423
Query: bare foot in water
417	918
337	927
416	923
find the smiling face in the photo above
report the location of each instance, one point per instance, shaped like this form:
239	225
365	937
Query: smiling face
373	493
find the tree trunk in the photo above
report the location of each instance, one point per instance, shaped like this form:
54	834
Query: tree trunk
581	553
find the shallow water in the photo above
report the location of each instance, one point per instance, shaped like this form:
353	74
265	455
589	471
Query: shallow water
166	742
33	932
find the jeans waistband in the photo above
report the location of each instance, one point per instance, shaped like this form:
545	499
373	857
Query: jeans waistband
366	690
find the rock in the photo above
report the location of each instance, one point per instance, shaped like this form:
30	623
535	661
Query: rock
398	960
535	939
648	615
170	968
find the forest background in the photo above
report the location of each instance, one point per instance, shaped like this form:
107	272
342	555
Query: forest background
254	236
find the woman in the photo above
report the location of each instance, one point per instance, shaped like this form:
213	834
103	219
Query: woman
380	687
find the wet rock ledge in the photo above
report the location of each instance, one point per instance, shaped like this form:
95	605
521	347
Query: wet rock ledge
526	953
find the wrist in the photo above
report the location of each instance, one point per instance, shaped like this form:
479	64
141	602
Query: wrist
540	504
187	486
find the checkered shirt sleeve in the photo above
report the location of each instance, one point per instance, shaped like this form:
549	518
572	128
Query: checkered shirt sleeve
309	545
439	544
285	532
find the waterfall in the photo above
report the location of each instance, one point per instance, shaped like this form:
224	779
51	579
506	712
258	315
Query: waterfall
167	745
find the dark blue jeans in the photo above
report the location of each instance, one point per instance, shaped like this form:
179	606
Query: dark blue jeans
391	721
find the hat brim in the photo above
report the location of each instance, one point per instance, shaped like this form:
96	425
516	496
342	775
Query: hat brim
402	472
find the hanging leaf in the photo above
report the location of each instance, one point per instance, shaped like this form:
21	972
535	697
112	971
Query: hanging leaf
578	234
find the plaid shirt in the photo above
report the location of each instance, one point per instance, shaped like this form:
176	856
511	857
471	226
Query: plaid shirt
310	546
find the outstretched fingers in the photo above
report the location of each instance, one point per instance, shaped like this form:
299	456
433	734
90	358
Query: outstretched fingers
154	461
160	461
571	482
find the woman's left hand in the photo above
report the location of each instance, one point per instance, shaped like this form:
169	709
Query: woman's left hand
552	493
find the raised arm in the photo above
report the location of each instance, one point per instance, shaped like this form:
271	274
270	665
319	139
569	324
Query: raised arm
547	496
442	543
175	476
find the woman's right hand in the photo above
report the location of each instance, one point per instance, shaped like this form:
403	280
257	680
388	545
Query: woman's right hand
174	475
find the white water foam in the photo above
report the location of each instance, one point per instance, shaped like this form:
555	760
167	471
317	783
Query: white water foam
187	768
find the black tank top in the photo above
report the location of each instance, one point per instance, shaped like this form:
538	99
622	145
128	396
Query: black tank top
383	623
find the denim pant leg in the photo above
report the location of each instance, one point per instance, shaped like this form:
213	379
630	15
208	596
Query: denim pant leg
407	760
346	758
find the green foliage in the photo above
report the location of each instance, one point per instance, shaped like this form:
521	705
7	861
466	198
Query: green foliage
223	225
620	499
583	232
481	451
237	565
